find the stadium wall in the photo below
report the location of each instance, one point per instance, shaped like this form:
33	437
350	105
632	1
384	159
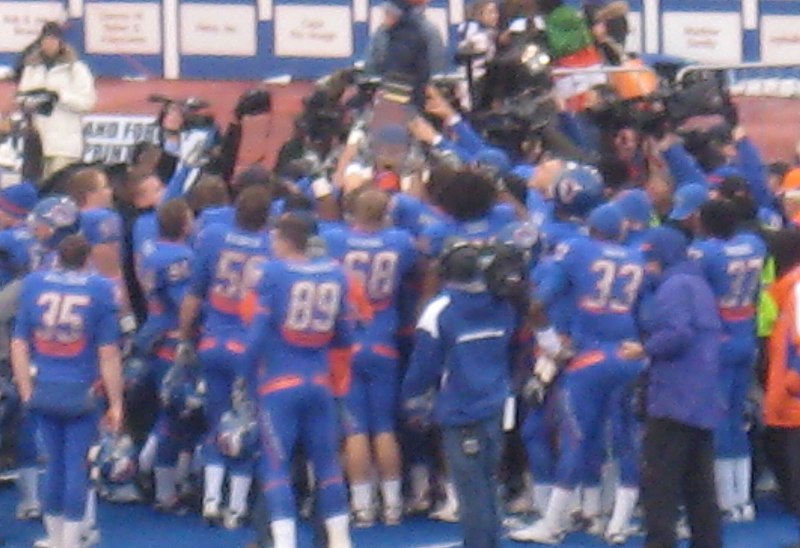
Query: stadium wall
261	39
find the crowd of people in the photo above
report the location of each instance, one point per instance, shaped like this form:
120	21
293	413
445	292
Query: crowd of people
405	318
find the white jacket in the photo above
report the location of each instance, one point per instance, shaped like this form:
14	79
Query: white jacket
61	132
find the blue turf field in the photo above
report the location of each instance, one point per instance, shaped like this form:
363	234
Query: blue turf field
140	527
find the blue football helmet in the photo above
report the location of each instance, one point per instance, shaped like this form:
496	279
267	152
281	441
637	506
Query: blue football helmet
183	392
137	375
577	190
59	213
114	460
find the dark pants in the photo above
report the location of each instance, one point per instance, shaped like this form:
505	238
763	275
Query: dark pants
679	468
782	447
473	455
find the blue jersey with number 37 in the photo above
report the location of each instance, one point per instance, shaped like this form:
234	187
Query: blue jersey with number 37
65	317
604	282
733	268
302	313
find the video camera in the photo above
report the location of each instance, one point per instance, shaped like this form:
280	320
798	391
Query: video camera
666	109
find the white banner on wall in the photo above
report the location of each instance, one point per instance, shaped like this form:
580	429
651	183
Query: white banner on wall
780	38
313	31
635	40
123	28
21	22
703	36
215	29
110	138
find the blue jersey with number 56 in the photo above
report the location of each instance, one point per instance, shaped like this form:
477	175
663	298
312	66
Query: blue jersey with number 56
228	263
64	315
604	282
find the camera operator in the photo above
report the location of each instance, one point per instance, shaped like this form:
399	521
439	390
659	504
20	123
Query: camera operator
57	88
463	347
414	48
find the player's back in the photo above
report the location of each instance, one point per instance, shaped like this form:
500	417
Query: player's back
607	282
225	215
414	215
733	269
65	314
381	260
478	231
165	279
101	226
307	314
16	253
227	266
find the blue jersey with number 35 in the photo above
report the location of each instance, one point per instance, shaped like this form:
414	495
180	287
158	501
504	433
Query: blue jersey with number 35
604	282
64	315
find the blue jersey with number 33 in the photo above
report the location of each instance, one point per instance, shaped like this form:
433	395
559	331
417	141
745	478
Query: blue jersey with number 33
604	281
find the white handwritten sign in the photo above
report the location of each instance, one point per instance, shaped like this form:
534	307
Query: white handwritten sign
705	37
313	31
123	28
21	22
110	138
216	29
780	39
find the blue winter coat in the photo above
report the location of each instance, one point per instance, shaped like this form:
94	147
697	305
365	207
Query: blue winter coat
683	347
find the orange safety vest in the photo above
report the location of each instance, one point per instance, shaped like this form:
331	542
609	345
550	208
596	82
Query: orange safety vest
782	395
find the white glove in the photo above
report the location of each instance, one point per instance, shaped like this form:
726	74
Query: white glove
545	369
549	342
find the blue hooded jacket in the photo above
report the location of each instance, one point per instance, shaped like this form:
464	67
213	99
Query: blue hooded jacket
684	340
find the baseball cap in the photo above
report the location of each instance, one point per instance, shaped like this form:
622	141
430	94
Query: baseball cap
607	220
666	246
18	200
51	28
635	205
688	199
494	160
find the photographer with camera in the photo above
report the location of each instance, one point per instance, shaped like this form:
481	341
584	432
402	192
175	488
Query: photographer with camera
56	89
463	347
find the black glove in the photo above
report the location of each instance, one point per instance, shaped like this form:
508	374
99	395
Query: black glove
252	103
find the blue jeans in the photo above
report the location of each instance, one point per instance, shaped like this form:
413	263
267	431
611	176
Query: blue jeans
473	454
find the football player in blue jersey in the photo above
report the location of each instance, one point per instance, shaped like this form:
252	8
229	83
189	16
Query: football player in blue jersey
63	328
227	266
732	260
603	280
300	346
385	260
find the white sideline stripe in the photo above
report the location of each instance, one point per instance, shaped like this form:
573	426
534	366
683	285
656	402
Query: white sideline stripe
441	545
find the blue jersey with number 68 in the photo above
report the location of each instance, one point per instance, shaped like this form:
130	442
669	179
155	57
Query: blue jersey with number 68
604	282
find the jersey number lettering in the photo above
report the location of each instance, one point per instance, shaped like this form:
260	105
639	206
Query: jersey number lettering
313	307
237	272
744	275
379	271
627	278
61	319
